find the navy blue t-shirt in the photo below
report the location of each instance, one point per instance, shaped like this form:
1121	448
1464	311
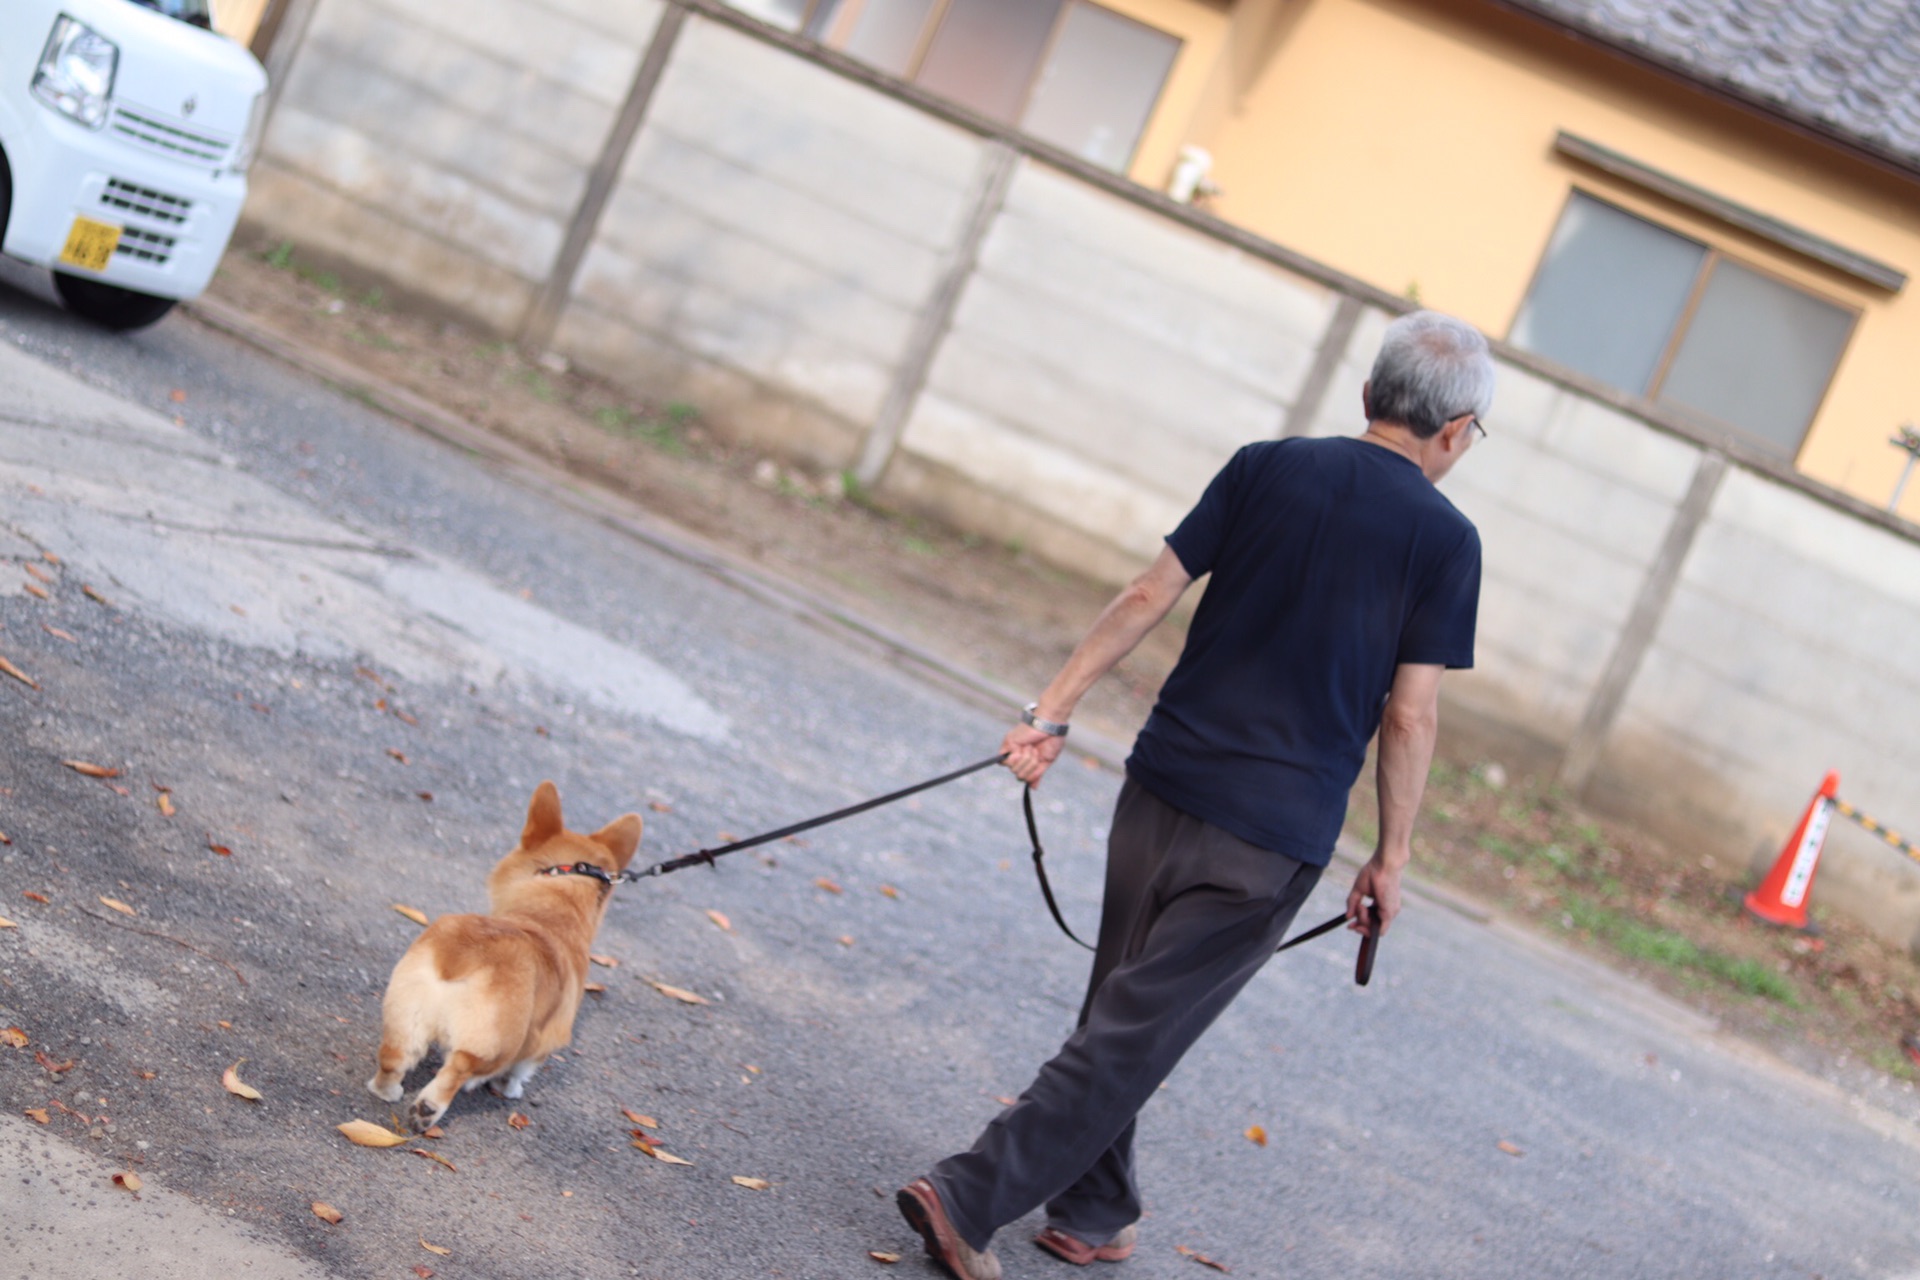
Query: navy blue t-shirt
1333	562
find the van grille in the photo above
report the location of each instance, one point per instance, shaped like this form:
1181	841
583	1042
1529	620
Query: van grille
145	246
173	138
158	206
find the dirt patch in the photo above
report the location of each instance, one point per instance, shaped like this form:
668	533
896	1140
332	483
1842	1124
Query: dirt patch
985	607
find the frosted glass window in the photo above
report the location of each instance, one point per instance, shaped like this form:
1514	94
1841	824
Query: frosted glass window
1758	354
1608	294
1099	85
888	33
986	52
785	14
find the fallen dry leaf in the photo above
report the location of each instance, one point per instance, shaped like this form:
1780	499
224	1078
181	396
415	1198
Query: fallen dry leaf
1509	1148
720	919
435	1132
889	891
90	769
685	997
364	1133
652	1148
751	1184
131	1181
220	849
821	882
881	1255
434	1156
177	395
327	1213
7	924
412	913
31	896
58	634
165	802
1200	1258
518	1121
434	1248
35	589
36	1114
596	988
119	906
230	1080
659	806
17	1038
605	962
93	595
424	1272
52	1067
645	1122
5	838
35	571
845	939
18	674
397	754
1257	1136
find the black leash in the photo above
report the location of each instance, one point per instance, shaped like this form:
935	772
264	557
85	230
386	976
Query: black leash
707	856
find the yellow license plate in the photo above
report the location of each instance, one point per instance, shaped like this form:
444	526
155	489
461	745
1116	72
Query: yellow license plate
90	244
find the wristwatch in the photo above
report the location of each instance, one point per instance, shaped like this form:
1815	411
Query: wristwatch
1052	728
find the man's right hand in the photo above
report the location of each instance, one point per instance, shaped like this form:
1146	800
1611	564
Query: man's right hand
1030	751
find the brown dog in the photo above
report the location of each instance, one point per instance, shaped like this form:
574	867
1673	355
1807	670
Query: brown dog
498	993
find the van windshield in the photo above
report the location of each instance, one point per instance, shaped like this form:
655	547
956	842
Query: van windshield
197	12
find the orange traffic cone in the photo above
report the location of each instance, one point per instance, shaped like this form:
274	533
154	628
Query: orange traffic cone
1782	896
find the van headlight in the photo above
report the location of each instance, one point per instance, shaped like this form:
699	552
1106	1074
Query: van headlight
249	145
75	75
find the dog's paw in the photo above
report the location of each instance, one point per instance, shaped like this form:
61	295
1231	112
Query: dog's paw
389	1094
422	1115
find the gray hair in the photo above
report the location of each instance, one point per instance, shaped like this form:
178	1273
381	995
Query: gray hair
1431	369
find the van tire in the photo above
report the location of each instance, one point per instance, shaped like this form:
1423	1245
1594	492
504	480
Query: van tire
108	305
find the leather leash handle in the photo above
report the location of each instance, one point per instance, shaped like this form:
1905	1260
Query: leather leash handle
1369	943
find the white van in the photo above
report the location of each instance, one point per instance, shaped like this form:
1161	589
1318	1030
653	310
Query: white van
126	129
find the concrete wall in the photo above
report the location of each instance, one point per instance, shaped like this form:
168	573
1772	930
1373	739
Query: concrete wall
447	144
852	274
1101	366
773	234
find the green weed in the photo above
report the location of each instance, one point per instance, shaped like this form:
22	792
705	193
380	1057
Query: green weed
280	257
1669	950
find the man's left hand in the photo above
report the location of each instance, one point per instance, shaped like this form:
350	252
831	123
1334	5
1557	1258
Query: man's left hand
1381	882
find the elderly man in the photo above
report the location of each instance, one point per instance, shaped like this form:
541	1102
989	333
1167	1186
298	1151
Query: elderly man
1343	585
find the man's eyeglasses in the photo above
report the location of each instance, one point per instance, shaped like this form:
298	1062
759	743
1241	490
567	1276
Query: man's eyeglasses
1472	418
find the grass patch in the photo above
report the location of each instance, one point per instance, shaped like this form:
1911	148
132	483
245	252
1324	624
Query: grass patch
1669	950
280	257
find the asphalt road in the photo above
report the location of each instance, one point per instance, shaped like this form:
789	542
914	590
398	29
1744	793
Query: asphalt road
349	652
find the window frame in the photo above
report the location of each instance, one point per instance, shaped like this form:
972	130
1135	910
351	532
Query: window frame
1714	254
937	16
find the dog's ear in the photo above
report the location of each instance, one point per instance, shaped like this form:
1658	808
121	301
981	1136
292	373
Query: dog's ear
621	838
543	817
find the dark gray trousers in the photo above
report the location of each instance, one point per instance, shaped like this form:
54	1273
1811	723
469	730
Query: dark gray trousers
1190	915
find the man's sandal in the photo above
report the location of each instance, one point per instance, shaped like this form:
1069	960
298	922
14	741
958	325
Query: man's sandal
1071	1248
920	1206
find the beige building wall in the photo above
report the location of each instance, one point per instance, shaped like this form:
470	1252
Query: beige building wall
1410	143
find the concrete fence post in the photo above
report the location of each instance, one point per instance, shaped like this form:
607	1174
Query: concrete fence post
997	162
543	313
1636	637
1326	362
